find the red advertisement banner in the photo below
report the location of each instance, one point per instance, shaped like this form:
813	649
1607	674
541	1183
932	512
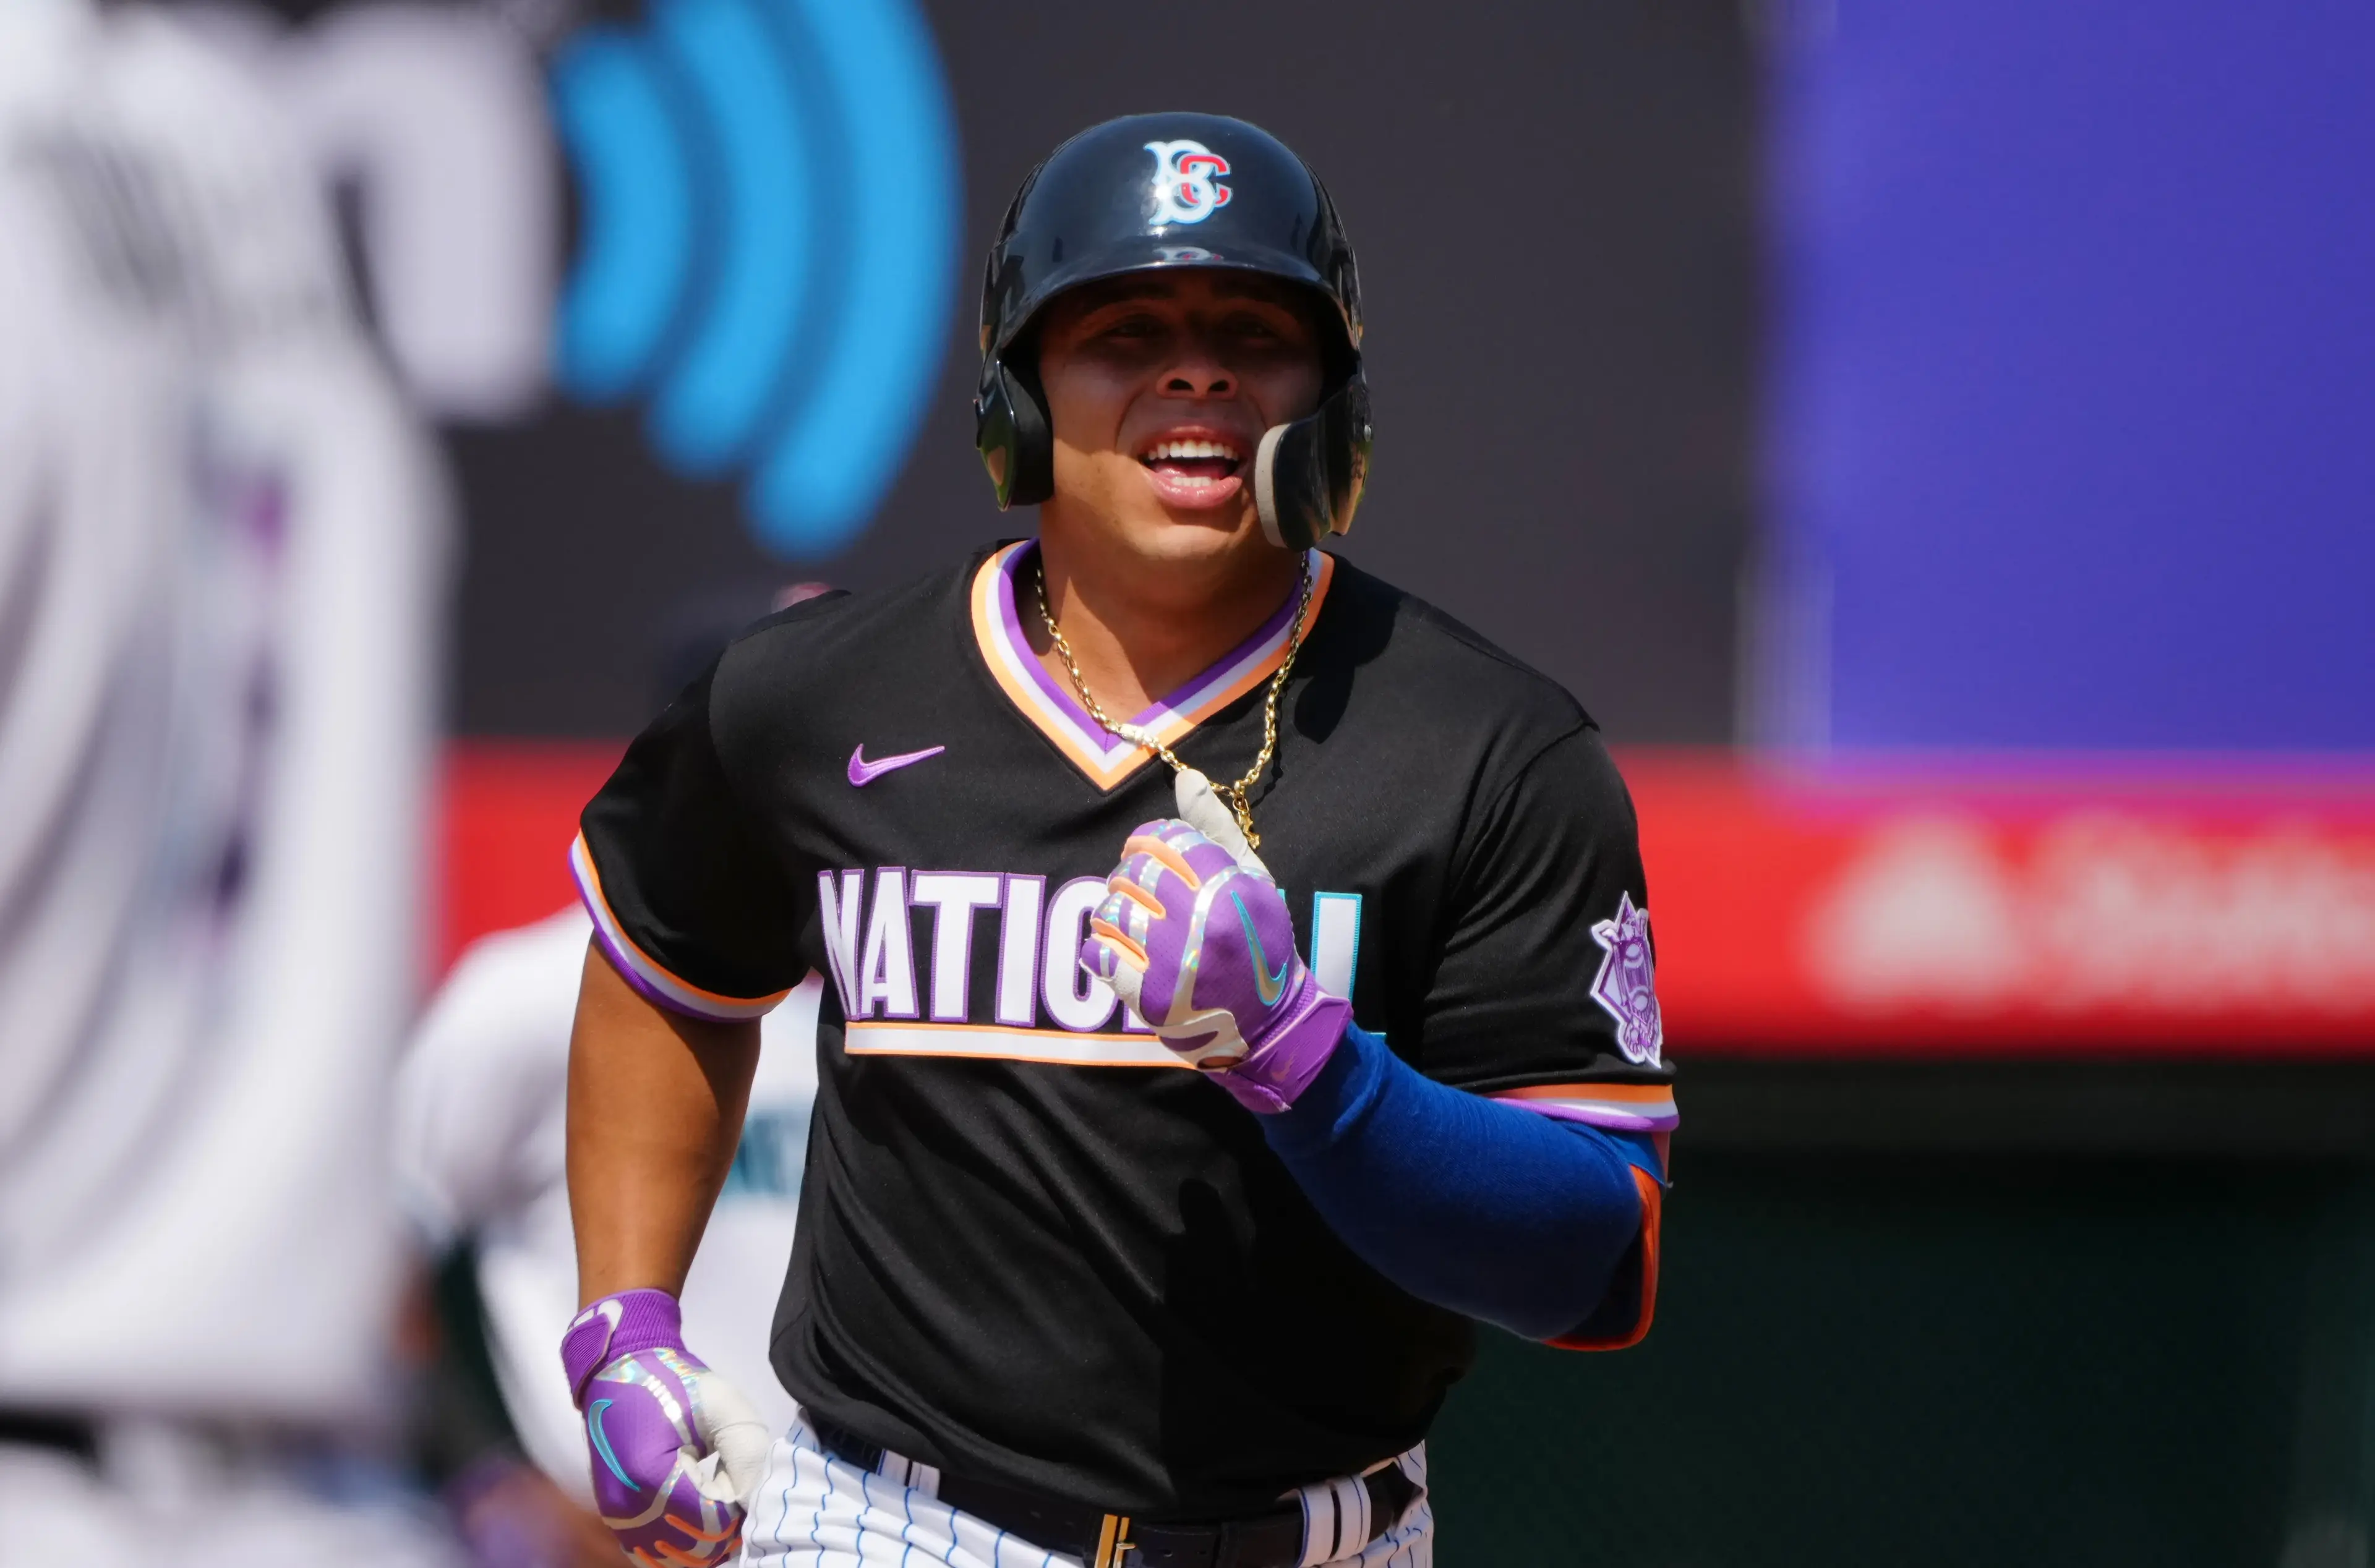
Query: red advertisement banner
1990	909
2000	908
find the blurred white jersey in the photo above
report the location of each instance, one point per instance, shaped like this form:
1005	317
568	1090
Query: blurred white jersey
221	541
480	1142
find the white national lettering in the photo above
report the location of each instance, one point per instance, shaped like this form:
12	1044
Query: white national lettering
1042	1004
1017	952
1335	941
1075	998
887	973
953	895
839	912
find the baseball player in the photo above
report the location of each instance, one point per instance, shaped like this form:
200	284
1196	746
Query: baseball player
1239	972
220	537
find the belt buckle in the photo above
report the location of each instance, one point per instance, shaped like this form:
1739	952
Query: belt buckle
1114	1543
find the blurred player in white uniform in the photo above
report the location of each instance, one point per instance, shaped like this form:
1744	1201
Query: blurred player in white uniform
479	1140
221	545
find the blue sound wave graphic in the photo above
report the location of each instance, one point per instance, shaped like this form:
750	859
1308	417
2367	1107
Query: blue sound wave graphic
769	193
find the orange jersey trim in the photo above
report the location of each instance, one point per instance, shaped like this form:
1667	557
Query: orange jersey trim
1654	1204
1624	1107
656	978
879	1037
1107	760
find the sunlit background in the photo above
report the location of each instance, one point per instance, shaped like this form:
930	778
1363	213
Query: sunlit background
1936	442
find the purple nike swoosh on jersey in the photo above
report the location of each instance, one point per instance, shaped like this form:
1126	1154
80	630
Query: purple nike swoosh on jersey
863	772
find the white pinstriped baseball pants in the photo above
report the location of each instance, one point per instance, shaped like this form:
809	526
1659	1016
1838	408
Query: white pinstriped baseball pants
814	1510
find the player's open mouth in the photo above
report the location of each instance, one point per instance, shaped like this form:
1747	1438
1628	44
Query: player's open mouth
1193	459
1193	470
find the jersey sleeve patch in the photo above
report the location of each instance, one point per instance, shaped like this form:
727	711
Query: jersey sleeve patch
651	978
1624	1107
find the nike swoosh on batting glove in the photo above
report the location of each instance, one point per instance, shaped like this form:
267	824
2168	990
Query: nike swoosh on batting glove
1200	943
676	1450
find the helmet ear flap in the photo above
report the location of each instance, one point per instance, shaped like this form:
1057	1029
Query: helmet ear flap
1309	475
1010	429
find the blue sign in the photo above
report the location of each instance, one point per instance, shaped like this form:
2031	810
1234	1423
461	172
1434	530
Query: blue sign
770	197
2072	440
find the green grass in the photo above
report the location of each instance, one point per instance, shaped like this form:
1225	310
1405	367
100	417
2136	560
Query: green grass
1943	1362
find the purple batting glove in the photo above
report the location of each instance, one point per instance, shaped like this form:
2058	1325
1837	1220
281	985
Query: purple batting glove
675	1449
1201	944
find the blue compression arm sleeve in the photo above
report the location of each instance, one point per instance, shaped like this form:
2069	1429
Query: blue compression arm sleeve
1486	1209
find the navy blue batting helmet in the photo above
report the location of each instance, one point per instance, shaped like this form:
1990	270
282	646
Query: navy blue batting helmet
1153	191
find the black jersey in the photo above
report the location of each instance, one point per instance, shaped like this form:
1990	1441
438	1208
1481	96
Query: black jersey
1032	1246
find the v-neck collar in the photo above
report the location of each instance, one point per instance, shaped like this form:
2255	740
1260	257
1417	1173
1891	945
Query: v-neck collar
1107	759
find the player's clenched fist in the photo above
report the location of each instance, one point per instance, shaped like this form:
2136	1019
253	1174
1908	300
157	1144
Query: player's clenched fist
675	1449
1199	942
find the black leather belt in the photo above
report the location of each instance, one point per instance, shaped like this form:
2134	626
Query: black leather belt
1271	1539
46	1429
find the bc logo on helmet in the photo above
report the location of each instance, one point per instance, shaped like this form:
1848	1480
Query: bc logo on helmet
1186	182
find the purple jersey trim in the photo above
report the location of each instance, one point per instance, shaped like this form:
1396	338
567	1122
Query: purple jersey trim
650	978
1577	1105
1187	696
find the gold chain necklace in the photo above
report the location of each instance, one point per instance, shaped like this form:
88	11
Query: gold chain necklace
1232	794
